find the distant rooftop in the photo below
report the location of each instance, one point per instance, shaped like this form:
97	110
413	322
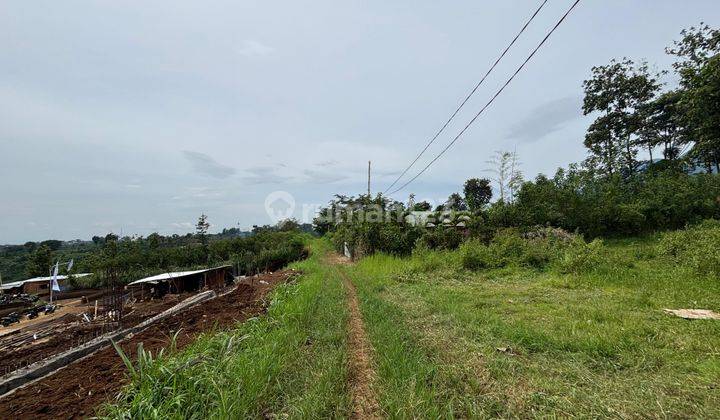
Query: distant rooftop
14	284
174	275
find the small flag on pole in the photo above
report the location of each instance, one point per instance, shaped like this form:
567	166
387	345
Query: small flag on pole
55	285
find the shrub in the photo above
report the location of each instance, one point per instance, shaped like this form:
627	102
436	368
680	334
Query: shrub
474	255
425	260
440	238
697	247
582	257
537	248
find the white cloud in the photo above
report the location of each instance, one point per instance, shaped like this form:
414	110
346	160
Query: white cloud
250	48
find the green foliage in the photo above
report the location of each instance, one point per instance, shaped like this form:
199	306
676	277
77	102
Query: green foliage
537	248
576	201
475	255
440	237
617	91
270	257
478	193
368	225
697	247
425	260
582	257
39	263
455	202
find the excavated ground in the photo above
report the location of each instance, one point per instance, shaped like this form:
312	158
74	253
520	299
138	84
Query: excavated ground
77	390
66	332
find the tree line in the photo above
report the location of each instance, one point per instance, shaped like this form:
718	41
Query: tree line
612	192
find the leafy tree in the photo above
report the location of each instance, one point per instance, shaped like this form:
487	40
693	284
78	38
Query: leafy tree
288	225
153	240
39	263
698	53
617	90
664	124
456	203
478	193
422	206
703	98
53	244
696	47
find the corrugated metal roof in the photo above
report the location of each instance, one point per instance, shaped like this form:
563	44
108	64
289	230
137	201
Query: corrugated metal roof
175	275
38	279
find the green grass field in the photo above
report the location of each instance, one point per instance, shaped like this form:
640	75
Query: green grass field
595	345
573	345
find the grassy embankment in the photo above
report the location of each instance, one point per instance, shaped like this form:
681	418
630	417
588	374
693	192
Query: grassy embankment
291	361
591	344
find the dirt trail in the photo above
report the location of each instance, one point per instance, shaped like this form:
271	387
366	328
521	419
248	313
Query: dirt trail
362	372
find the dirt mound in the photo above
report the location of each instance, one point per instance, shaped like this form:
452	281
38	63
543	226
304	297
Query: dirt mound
78	389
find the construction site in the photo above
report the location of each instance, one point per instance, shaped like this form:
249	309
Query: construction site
63	350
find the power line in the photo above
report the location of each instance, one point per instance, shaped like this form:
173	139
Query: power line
527	60
472	92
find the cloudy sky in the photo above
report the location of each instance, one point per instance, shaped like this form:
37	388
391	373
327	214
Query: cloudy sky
137	116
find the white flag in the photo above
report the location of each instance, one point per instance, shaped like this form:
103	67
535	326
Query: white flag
70	264
55	285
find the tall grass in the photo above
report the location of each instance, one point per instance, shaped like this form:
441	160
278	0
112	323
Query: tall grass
290	362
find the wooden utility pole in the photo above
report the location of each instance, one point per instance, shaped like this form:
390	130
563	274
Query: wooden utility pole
368	178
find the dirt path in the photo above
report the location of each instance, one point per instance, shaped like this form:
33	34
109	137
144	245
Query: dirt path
362	372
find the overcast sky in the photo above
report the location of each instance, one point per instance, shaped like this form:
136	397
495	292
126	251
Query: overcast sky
137	116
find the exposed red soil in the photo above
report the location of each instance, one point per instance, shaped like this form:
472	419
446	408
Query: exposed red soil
77	390
69	336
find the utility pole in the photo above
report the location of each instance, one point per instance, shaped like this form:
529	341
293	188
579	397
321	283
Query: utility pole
368	179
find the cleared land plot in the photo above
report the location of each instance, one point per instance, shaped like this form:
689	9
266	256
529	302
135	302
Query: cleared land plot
77	390
64	330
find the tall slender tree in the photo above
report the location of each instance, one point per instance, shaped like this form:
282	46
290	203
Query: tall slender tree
505	166
201	230
617	90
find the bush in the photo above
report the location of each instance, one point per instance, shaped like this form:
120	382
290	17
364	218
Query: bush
440	238
537	248
697	247
475	255
582	257
425	260
270	258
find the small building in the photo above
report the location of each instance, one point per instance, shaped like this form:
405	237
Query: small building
183	281
37	285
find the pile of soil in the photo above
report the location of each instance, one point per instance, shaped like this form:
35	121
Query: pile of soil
77	390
